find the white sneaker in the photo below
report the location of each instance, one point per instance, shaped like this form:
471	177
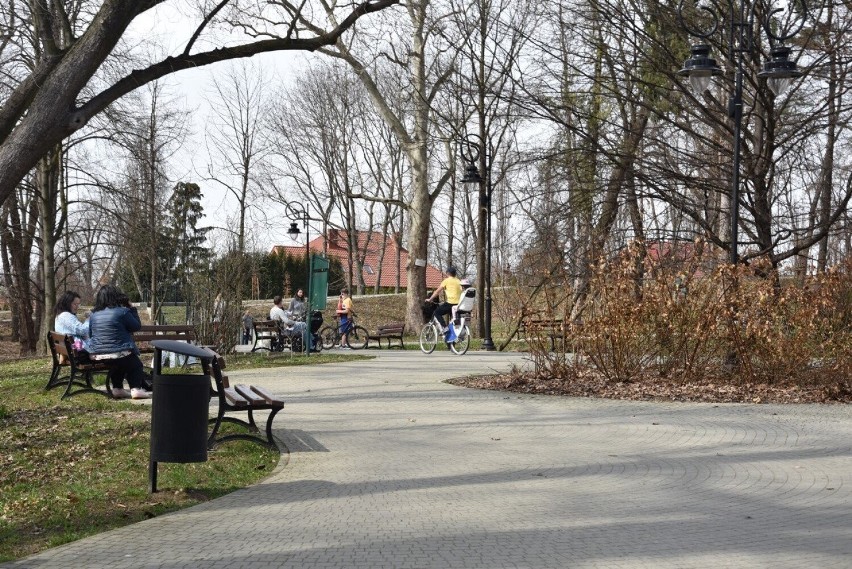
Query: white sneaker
140	393
119	393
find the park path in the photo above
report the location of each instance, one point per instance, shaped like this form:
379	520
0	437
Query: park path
389	467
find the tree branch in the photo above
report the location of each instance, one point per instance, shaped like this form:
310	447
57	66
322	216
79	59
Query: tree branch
170	65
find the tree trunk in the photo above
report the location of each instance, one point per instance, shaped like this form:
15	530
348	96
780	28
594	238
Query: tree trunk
418	238
17	238
48	182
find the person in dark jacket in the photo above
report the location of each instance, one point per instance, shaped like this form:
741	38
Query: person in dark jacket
111	328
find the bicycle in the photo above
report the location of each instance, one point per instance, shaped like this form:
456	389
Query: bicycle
356	336
432	330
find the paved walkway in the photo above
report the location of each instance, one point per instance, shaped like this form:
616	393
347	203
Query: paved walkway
391	468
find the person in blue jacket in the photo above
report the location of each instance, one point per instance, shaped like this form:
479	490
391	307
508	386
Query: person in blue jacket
111	328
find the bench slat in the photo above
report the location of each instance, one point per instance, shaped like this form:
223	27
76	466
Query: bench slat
250	395
268	397
234	398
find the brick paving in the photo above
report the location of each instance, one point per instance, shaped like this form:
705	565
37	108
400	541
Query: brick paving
390	467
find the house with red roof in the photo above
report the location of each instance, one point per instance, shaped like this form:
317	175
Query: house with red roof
384	259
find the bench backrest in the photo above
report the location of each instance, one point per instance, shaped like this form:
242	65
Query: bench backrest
543	325
62	351
265	329
60	348
213	369
392	327
149	332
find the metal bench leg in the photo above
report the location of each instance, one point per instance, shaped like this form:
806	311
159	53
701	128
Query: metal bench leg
269	438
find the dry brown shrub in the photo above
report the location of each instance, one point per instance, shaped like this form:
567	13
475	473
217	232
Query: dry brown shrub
661	322
691	323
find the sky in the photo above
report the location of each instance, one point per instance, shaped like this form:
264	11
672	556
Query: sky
192	88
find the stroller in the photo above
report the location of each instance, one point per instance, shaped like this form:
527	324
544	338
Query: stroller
316	324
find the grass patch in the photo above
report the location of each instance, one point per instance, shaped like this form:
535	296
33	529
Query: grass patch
74	468
269	359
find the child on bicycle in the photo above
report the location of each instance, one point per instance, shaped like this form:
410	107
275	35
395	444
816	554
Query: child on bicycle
345	312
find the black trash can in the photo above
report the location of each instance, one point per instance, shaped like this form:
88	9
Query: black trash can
180	410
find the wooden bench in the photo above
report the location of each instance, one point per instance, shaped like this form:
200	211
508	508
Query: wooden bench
280	339
79	378
265	330
393	330
539	328
150	332
241	399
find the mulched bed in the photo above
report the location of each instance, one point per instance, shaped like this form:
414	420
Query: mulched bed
660	389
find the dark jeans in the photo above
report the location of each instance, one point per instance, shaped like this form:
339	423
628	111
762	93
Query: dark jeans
443	308
130	368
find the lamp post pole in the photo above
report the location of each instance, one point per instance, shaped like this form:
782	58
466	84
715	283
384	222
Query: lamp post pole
472	148
778	71
297	211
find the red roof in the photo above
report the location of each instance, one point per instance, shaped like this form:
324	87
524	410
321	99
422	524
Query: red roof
337	247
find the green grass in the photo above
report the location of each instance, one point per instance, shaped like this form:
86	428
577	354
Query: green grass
74	468
267	359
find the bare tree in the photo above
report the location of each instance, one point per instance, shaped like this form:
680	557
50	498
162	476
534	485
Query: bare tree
153	131
237	140
47	103
426	65
19	217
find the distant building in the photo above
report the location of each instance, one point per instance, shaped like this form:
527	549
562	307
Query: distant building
391	267
676	255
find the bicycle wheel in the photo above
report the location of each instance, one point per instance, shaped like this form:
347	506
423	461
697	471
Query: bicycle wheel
460	346
357	338
428	338
329	337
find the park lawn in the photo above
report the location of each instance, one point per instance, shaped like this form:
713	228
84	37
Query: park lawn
74	468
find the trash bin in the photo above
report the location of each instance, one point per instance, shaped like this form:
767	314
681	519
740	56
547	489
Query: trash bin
179	410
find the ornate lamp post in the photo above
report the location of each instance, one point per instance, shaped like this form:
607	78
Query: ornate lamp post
296	210
778	71
471	149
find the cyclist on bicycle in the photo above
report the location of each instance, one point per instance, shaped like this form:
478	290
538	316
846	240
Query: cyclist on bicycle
344	310
451	286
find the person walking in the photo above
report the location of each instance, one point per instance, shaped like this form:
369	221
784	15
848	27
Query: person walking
248	325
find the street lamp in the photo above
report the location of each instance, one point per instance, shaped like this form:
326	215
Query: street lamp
778	71
296	210
472	148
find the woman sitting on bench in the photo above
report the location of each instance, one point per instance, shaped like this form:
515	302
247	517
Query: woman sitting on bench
66	322
111	328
